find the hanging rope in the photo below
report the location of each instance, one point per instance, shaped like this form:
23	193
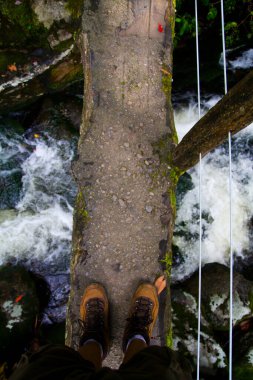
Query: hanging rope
200	207
231	262
200	201
197	53
224	48
230	204
200	268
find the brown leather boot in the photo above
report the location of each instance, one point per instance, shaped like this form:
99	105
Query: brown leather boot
94	316
142	315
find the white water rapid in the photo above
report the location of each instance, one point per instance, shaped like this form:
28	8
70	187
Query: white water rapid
215	198
36	227
39	229
243	60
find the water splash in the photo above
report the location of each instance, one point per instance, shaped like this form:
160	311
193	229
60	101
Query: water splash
38	234
186	115
215	201
243	61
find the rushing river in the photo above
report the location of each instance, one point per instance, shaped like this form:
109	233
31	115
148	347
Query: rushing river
215	198
214	190
36	228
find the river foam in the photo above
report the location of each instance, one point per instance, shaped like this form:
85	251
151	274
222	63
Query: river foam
38	231
215	199
244	60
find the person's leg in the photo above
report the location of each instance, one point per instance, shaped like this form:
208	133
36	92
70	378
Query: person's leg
54	362
92	352
94	310
141	320
156	362
133	348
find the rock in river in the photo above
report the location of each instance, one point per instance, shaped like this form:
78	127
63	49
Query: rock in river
19	306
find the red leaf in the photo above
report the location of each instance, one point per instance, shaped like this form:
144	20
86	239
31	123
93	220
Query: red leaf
19	298
160	28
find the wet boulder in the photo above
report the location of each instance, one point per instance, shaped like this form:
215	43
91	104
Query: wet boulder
59	116
55	312
19	306
185	330
10	188
13	153
214	316
243	371
38	53
244	264
215	294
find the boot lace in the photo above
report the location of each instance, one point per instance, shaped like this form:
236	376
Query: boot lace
141	317
94	319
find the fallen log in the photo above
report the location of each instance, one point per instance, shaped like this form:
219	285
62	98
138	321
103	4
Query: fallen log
232	113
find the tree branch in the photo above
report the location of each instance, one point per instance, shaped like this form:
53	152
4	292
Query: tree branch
232	113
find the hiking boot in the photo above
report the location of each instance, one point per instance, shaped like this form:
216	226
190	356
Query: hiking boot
94	312
142	315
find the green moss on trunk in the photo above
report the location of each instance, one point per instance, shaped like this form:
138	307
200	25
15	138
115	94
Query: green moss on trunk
75	7
81	212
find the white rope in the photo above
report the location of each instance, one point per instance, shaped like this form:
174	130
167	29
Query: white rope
224	48
231	261
200	207
197	53
200	269
230	204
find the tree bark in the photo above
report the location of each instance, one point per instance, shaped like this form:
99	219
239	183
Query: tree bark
232	113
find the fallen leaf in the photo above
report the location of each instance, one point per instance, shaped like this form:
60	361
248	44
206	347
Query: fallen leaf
12	67
19	298
160	284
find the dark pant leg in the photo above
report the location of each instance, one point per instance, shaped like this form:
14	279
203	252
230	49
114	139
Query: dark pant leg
55	362
155	362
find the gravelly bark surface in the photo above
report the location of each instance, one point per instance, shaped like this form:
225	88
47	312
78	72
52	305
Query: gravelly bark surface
120	179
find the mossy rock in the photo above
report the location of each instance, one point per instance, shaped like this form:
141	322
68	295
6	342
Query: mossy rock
55	79
185	332
184	184
243	372
29	27
59	115
215	294
29	23
10	57
11	171
214	315
10	189
19	306
20	25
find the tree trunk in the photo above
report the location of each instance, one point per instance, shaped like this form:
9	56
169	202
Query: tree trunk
232	113
122	191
